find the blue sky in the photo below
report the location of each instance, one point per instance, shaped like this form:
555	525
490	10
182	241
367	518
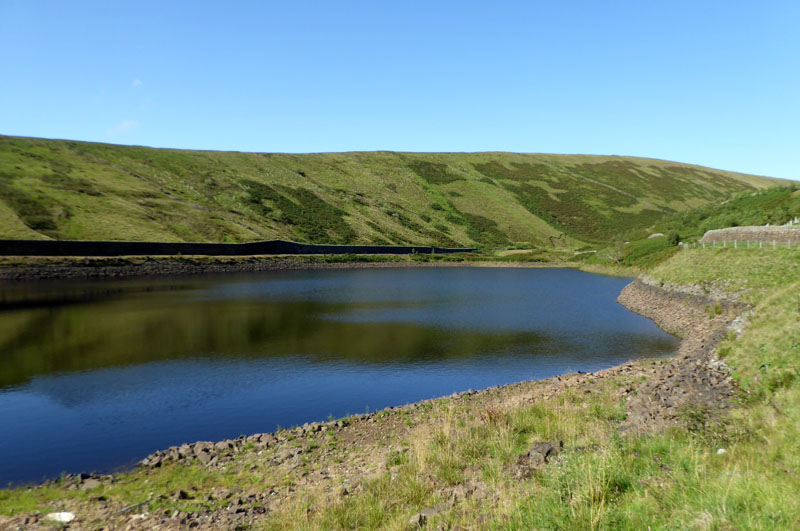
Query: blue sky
712	83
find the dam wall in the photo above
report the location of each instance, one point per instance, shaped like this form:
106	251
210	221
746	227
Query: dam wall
272	247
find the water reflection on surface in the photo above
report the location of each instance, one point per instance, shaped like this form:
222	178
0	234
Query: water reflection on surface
114	370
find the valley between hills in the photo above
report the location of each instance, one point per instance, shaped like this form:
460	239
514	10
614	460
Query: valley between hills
704	439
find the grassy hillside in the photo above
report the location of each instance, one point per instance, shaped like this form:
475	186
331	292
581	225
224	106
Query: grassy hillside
76	190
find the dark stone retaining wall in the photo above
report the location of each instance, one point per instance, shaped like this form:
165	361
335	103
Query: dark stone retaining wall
779	234
92	248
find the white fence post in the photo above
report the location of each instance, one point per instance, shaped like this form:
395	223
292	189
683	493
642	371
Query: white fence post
734	244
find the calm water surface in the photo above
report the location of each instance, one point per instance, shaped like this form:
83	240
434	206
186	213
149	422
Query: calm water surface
101	374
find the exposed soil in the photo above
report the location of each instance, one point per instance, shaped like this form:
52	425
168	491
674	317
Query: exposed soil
36	268
334	457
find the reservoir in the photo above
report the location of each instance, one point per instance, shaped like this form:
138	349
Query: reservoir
96	375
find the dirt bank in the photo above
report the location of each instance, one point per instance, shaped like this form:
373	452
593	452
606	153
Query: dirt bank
38	268
334	458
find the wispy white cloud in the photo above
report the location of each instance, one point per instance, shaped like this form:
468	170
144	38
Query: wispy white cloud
137	83
124	125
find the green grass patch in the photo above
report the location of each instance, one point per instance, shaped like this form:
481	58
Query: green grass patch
645	254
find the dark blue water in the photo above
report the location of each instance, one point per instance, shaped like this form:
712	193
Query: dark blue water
99	375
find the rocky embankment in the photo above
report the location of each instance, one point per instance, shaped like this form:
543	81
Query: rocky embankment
693	383
138	267
92	268
334	458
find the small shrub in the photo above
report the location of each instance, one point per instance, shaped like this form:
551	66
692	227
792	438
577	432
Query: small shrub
494	417
434	173
673	238
694	417
715	310
396	458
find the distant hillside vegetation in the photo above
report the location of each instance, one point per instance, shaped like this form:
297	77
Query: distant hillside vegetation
87	191
774	206
636	248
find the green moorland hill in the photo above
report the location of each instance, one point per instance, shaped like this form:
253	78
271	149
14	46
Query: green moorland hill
59	189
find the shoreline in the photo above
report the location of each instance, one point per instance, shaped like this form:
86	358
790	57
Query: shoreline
22	269
699	336
654	392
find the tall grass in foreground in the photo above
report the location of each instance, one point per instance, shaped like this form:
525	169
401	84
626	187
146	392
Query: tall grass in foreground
681	479
461	464
740	474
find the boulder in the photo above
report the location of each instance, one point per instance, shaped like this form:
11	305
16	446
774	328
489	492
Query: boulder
62	517
538	456
430	512
544	450
417	521
224	445
185	450
90	484
203	446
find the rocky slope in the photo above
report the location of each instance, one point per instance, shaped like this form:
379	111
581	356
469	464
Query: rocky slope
694	382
